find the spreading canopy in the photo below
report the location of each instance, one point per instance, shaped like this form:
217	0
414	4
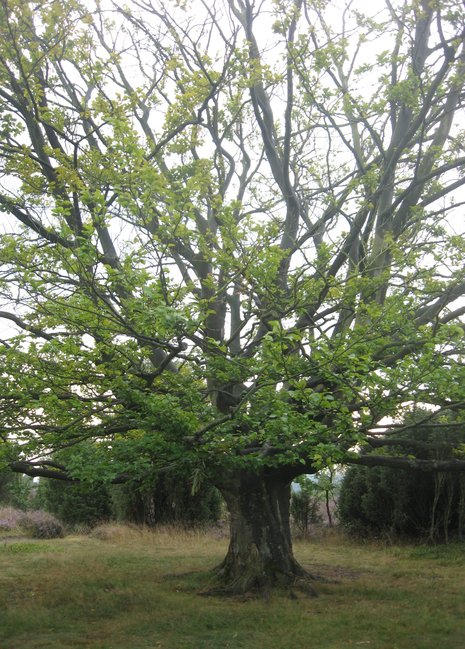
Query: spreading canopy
231	231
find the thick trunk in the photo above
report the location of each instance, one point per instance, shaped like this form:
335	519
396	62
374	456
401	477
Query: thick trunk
260	553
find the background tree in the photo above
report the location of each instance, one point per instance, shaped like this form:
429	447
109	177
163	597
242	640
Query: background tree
230	242
305	505
16	490
391	503
148	498
170	499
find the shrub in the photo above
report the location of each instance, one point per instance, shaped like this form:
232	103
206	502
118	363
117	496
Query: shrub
41	525
381	502
386	502
38	524
10	519
76	504
169	499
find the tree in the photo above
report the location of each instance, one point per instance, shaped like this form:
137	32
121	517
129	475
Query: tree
305	504
168	500
389	502
76	504
16	490
229	242
167	496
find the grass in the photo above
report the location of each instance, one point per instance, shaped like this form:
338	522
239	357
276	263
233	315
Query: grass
140	590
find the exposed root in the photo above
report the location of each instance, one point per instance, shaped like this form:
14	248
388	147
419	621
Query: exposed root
305	587
253	586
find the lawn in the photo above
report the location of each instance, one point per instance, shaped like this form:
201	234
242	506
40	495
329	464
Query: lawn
140	590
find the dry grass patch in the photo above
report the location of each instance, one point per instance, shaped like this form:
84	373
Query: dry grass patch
119	533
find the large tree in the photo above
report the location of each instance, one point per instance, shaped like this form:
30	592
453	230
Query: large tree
231	241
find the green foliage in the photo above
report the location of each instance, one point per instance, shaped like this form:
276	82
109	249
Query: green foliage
305	505
148	497
313	500
169	499
17	490
6	478
395	503
83	504
213	260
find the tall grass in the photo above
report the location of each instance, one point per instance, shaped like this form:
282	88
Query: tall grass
130	588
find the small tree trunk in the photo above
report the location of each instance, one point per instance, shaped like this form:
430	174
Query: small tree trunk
328	508
461	513
438	485
149	510
260	553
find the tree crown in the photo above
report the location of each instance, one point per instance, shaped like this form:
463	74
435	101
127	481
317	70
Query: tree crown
230	234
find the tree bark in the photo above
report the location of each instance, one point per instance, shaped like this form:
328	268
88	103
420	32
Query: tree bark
260	555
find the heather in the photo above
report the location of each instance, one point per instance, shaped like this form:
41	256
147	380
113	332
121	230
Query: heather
9	519
36	524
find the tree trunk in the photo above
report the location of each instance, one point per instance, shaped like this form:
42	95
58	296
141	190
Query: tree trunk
328	508
260	553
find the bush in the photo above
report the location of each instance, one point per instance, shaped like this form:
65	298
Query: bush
76	504
37	524
10	519
41	525
169	499
390	503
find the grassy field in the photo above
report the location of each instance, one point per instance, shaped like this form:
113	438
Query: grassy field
139	590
